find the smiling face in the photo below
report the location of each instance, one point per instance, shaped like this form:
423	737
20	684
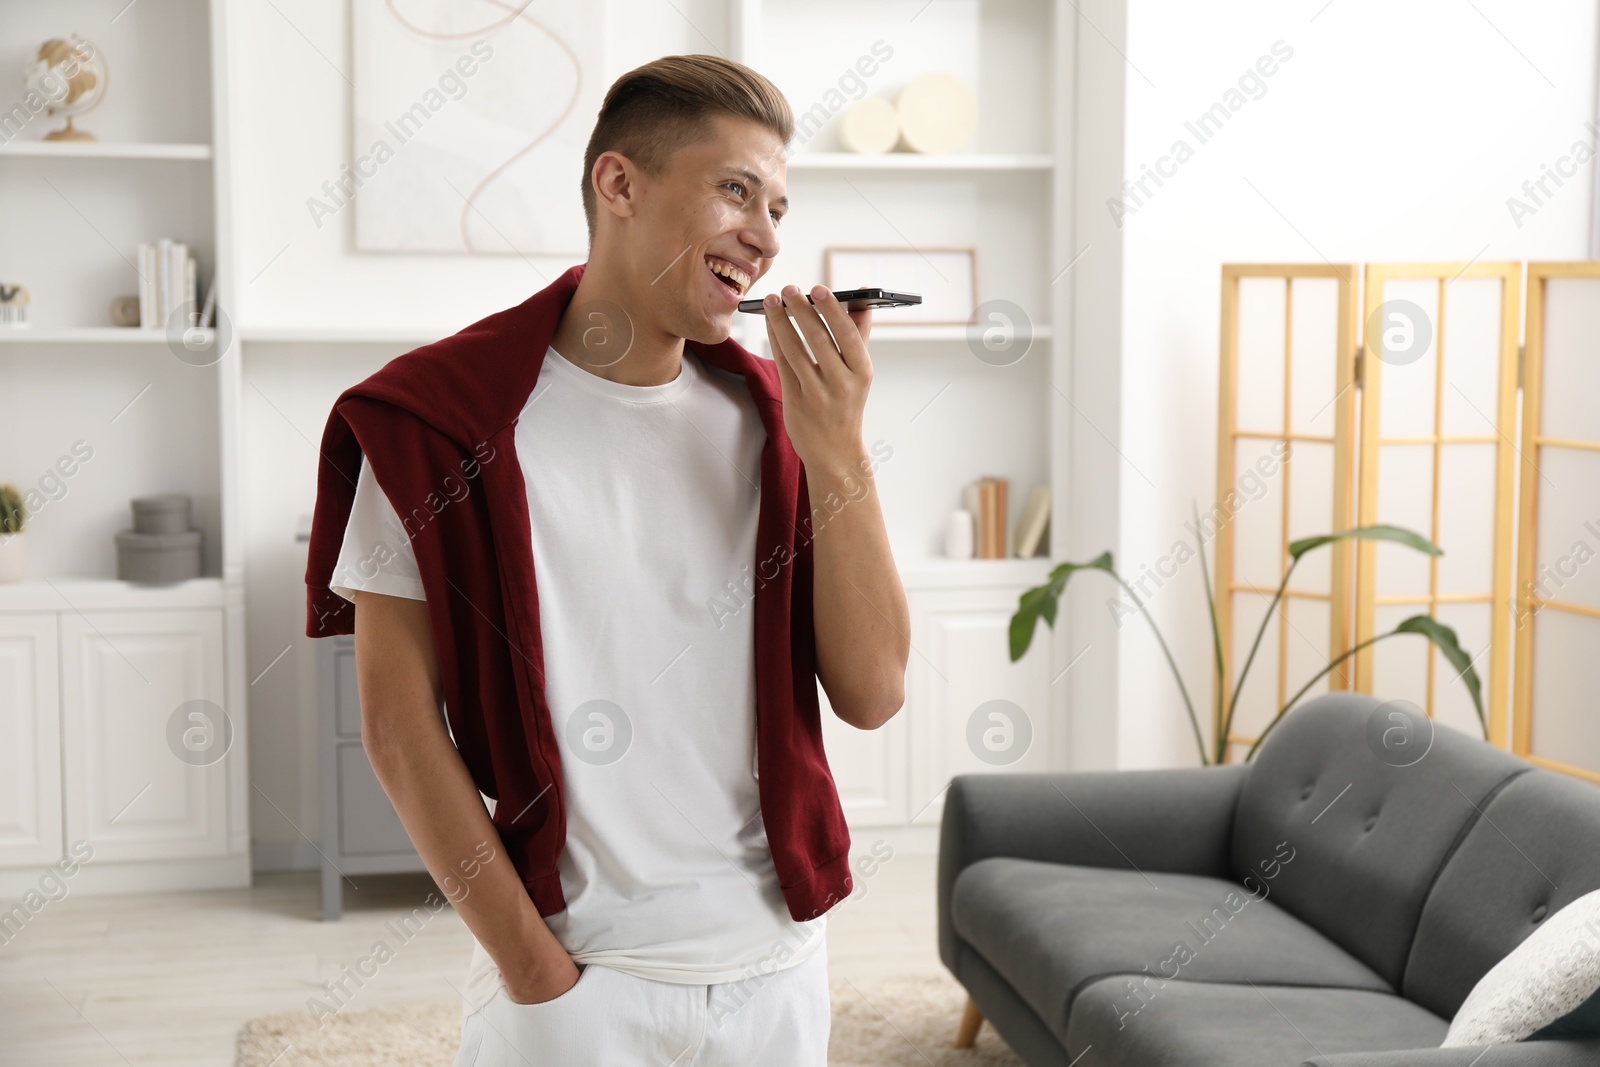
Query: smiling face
697	236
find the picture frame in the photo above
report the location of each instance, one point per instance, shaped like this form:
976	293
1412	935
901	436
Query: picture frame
946	276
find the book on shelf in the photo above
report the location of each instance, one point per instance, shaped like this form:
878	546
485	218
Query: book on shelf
1033	523
167	281
986	500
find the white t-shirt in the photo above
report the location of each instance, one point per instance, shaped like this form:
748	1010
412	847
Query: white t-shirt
643	503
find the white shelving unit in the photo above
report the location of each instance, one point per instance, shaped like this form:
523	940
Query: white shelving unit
950	414
1006	194
93	669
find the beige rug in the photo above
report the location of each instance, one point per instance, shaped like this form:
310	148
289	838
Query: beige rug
888	1023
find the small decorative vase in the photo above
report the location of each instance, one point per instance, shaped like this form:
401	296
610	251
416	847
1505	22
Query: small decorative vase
13	556
959	534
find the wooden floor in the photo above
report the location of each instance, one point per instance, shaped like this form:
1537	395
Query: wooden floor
168	978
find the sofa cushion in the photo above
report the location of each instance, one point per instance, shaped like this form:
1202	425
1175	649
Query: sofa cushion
1200	1024
1369	837
1050	929
1534	850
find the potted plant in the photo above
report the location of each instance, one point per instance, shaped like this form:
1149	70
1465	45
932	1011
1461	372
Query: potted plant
13	544
1041	602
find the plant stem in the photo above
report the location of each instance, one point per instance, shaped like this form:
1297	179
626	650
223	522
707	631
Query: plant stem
1194	721
1307	687
1216	644
1238	687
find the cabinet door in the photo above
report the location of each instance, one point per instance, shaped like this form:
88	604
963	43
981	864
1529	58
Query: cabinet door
135	787
368	823
972	710
30	742
868	766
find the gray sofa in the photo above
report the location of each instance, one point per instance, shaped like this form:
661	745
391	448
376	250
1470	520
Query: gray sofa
1320	906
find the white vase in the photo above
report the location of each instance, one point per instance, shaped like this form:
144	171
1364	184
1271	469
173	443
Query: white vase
958	534
13	556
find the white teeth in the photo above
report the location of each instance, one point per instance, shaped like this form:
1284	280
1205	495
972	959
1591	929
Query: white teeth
730	272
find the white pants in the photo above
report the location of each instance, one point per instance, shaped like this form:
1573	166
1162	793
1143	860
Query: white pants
614	1019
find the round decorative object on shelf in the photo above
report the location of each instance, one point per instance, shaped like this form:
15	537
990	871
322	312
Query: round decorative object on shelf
125	311
938	113
870	128
70	73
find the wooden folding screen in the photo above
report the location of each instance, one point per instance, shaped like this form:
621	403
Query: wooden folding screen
1440	411
1287	406
1557	617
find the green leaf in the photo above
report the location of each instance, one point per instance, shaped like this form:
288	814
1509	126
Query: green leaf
1398	535
1041	602
1444	639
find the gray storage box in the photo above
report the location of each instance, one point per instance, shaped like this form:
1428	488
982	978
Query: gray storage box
164	513
158	558
161	548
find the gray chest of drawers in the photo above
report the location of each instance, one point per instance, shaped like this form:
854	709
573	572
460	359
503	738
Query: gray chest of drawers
361	834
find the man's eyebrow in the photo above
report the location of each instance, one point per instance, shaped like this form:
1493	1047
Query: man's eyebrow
755	179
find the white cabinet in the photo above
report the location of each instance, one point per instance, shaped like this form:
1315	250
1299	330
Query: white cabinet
113	733
125	676
30	741
973	711
968	709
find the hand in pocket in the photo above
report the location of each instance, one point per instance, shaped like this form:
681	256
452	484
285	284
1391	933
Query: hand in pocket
546	992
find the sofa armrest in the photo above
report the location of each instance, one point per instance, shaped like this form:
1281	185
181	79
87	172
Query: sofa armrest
1161	820
1567	1052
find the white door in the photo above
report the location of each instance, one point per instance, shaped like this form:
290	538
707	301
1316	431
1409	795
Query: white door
30	742
145	733
972	710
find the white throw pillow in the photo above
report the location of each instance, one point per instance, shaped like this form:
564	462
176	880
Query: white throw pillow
1549	975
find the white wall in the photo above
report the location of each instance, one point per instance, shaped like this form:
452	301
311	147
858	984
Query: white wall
1394	132
291	72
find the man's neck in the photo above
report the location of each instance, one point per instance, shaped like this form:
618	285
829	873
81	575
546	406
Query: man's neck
602	332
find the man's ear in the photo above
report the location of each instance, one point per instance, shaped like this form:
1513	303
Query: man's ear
615	180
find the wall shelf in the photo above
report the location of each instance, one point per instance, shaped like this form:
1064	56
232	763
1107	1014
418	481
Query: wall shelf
105	150
881	331
911	161
87	335
290	335
943	572
79	593
915	332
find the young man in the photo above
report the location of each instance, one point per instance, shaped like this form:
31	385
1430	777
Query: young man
630	550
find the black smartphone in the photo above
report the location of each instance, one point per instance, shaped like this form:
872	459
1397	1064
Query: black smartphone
855	299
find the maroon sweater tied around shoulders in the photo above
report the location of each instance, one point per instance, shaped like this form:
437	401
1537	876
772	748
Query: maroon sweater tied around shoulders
437	427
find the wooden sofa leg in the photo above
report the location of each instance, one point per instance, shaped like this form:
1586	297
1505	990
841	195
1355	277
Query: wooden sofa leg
971	1019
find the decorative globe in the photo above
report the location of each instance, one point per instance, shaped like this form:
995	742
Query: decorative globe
70	73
